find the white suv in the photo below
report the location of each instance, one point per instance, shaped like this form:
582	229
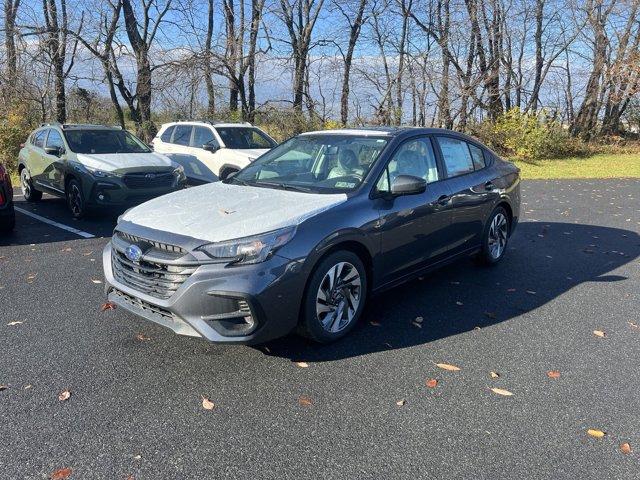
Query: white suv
223	147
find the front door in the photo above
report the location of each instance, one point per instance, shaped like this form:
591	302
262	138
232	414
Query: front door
414	227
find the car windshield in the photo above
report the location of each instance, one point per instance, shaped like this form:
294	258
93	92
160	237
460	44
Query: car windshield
323	163
104	141
243	138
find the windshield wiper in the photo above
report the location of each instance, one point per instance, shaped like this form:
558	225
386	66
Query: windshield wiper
236	180
285	186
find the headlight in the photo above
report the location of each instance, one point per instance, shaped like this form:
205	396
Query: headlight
100	173
249	249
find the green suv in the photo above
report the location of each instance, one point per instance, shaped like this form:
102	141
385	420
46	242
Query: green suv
94	166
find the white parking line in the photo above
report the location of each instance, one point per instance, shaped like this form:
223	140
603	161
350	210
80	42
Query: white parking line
55	224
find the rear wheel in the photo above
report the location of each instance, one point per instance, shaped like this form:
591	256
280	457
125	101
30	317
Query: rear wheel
75	199
335	297
29	193
496	237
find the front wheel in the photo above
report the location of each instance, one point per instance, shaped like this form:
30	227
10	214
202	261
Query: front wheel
29	193
495	237
75	199
334	298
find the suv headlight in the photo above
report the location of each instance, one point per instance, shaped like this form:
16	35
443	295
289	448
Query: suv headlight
100	173
247	250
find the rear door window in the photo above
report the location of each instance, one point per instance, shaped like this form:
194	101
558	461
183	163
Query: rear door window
456	155
166	135
182	135
38	138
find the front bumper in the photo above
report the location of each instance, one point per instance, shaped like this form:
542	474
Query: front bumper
215	296
113	193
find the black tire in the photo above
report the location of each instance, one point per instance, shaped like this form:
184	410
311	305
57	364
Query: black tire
311	325
8	223
75	199
226	172
29	193
495	237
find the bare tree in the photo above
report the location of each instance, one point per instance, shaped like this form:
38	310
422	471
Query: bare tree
10	34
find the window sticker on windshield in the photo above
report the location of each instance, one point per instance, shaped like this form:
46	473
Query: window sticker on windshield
345	184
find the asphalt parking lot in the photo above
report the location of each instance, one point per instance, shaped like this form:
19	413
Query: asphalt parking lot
361	409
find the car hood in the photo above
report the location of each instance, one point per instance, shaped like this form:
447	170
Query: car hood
109	162
220	211
248	153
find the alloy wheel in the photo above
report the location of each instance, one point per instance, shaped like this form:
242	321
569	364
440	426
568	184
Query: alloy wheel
338	297
498	232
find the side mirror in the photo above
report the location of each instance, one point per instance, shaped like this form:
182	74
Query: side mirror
408	185
209	147
55	151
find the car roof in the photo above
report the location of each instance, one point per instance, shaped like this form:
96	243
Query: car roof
207	123
79	126
390	132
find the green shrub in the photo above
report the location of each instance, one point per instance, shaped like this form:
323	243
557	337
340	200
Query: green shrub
527	136
14	130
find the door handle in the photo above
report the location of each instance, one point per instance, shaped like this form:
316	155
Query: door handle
489	186
443	200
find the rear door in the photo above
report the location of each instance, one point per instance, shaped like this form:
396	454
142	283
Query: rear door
472	190
162	143
414	227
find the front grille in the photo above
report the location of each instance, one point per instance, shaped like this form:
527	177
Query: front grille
158	274
160	246
148	180
141	304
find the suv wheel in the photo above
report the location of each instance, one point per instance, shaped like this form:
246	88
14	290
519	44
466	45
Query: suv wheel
75	199
29	193
335	297
495	238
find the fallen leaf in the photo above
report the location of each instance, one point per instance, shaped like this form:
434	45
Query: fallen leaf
305	401
599	333
11	324
302	364
64	395
207	404
137	457
432	383
3	387
416	324
401	402
494	375
419	320
107	306
633	325
96	281
553	374
86	254
61	474
68	249
31	277
531	292
625	448
501	391
142	337
459	303
491	315
27	387
596	433
375	323
446	366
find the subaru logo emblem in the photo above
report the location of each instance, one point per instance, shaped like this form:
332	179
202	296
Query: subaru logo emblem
133	253
150	175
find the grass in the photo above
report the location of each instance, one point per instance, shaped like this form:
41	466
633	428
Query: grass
607	165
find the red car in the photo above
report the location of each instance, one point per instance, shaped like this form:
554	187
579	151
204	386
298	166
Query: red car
7	214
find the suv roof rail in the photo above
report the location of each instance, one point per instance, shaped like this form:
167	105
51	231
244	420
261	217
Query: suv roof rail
213	122
50	124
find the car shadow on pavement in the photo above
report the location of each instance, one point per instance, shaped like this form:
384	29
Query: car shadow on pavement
545	260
